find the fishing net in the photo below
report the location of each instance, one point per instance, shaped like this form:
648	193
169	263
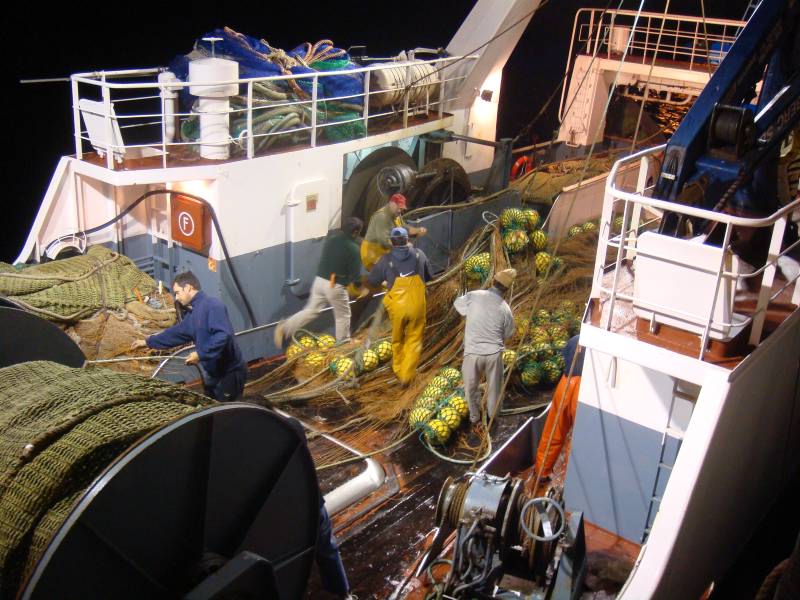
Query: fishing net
59	428
544	184
280	116
73	288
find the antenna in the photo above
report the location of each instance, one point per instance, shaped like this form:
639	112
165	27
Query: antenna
212	41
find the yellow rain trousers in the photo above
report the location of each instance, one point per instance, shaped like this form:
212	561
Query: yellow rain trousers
371	253
405	304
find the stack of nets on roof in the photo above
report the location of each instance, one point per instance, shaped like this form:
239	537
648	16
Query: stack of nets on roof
280	114
97	297
59	428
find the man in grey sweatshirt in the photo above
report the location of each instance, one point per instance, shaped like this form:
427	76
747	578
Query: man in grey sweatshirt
489	324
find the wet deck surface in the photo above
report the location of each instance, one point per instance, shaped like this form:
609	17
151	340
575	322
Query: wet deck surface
382	536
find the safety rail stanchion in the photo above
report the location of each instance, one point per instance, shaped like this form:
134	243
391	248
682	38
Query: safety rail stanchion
314	88
767	280
76	118
365	111
250	141
717	281
406	94
442	87
107	124
617	267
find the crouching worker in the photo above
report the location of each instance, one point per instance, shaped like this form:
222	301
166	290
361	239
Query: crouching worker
561	418
405	270
489	324
207	325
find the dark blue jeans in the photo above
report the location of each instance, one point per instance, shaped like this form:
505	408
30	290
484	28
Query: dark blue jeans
227	388
329	562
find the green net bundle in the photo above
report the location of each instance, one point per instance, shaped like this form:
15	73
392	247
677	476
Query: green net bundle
74	288
59	428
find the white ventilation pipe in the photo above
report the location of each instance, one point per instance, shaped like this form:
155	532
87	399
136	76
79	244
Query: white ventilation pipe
207	76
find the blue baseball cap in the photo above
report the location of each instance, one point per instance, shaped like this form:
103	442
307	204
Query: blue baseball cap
399	232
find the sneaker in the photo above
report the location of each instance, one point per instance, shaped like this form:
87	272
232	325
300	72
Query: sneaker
279	336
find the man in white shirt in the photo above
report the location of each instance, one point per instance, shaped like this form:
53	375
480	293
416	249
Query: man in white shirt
489	324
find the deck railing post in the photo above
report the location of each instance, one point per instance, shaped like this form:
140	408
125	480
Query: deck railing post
406	96
107	123
76	119
314	84
715	295
365	112
767	279
250	142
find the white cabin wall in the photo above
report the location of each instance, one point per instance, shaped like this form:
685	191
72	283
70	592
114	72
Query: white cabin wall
478	121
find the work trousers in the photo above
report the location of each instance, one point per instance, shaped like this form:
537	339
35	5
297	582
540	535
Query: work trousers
329	561
227	388
491	366
321	294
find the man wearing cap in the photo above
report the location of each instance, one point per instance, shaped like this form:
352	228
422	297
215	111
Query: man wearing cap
489	324
405	270
339	266
377	243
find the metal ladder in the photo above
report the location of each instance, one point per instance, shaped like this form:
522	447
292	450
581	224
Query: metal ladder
664	467
751	8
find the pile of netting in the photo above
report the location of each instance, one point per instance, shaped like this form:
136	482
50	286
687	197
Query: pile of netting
321	373
278	106
543	184
59	428
101	299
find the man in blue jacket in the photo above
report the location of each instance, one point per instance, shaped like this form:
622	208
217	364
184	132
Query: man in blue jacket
207	325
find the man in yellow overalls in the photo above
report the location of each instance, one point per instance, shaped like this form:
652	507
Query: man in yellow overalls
405	270
376	242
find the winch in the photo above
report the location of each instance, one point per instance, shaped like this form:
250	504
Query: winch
507	542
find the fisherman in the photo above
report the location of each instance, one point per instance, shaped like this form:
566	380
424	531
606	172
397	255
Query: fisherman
561	417
377	243
404	270
207	325
489	324
339	266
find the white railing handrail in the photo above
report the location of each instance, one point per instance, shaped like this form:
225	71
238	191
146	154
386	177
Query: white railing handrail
96	77
661	15
686	209
596	19
627	246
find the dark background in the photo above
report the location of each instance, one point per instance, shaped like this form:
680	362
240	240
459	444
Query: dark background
71	37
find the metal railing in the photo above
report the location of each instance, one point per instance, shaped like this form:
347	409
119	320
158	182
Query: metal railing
627	214
135	100
694	42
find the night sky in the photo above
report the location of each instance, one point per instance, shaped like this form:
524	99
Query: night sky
91	35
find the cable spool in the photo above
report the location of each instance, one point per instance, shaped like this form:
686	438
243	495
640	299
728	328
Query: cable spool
27	337
732	126
221	496
451	502
390	80
395	179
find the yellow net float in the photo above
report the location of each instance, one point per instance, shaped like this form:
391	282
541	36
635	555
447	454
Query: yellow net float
452	375
293	350
430	403
440	382
532	374
538	240
419	416
542	262
539	335
515	240
436	432
383	349
326	341
531	218
574	230
370	360
512	218
543	351
451	416
307	342
457	402
589	226
552	370
343	367
509	358
314	359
